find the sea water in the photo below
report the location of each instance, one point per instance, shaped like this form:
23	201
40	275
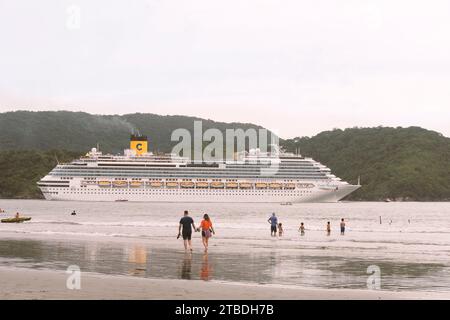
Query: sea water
409	243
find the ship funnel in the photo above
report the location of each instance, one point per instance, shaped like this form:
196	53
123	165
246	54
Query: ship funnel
139	144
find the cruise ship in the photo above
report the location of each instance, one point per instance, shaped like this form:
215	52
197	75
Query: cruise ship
138	175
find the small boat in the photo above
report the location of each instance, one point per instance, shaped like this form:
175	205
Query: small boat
104	183
16	220
275	185
289	186
305	185
286	203
217	185
245	185
172	184
231	185
156	184
121	200
187	184
135	184
120	183
261	185
201	185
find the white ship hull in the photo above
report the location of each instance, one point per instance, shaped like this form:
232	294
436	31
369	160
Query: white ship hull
314	195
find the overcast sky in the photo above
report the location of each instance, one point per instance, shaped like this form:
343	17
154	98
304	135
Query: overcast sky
297	67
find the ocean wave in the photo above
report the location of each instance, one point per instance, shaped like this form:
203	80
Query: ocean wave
234	226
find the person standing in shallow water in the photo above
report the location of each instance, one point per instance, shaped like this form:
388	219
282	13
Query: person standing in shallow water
185	229
273	220
342	227
328	228
280	229
302	229
207	229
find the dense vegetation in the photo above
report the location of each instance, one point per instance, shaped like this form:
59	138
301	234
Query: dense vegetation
394	163
20	170
79	131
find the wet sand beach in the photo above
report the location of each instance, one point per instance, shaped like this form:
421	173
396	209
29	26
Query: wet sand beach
132	252
45	284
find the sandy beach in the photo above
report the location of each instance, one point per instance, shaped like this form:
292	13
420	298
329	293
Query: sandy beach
45	284
132	253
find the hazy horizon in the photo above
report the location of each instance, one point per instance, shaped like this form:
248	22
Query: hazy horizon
296	67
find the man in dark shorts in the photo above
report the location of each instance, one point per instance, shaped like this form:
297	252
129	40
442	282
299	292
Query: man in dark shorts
273	220
185	229
342	226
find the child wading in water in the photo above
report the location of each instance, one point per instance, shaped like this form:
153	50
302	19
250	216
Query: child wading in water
302	229
342	227
280	229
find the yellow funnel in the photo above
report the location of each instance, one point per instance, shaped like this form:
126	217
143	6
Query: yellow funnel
139	144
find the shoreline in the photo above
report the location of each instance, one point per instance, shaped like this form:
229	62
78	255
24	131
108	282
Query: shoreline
218	247
23	283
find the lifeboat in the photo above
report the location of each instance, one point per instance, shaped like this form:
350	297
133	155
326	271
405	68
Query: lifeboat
289	186
305	185
120	183
156	184
245	185
261	185
172	184
275	185
201	185
231	185
187	184
217	184
135	184
104	183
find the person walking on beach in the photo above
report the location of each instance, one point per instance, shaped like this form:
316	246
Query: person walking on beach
280	229
207	229
273	220
342	227
328	228
302	229
185	229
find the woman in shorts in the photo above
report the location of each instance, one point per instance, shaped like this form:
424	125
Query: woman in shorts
207	230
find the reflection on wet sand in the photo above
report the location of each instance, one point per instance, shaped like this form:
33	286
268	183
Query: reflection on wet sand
138	260
186	266
205	272
275	267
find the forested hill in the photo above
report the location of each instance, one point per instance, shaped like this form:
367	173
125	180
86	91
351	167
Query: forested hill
79	131
394	163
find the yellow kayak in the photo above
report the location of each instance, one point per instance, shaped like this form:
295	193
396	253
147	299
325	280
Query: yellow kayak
16	220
